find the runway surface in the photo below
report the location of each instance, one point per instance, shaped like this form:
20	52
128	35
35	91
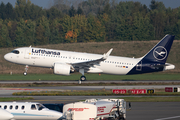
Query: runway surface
154	111
101	81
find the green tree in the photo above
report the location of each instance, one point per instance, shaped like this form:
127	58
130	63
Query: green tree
141	28
158	22
80	11
5	41
30	32
176	30
53	13
2	11
10	14
40	38
42	31
82	29
20	3
72	11
157	6
12	26
27	10
70	28
25	33
96	31
62	5
19	12
57	34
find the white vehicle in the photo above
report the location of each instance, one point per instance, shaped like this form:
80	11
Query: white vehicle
29	111
64	62
94	109
79	111
5	115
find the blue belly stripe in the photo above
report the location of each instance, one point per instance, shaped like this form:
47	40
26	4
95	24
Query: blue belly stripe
24	114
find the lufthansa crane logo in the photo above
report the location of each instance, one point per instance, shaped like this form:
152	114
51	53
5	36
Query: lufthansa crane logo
160	53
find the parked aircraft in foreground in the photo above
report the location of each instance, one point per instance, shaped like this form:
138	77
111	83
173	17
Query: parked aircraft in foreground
28	111
65	62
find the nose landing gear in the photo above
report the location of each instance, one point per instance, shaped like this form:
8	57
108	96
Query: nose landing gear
26	69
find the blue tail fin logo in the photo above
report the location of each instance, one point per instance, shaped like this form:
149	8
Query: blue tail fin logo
159	53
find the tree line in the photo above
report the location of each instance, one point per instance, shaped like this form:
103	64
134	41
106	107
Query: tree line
69	21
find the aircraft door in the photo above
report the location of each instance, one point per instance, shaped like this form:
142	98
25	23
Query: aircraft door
139	66
27	53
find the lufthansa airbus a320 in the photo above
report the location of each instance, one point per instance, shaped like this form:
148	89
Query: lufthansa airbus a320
65	62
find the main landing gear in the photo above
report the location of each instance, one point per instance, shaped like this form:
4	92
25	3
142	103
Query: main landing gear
26	69
82	78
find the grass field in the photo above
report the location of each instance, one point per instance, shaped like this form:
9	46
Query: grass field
90	77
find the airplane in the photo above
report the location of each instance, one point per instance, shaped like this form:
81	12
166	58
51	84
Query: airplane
28	111
66	62
5	115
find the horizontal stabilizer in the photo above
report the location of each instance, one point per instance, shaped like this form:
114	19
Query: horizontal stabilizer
169	66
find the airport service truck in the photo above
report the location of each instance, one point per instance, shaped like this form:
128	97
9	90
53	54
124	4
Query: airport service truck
95	109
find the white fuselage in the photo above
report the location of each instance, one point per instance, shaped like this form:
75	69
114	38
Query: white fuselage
47	58
5	115
29	111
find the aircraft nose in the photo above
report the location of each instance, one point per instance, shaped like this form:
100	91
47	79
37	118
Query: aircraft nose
56	114
7	57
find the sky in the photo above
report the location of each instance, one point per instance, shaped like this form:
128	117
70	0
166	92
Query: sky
49	3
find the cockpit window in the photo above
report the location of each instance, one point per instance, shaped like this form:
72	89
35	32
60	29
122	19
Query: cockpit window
15	52
40	106
33	107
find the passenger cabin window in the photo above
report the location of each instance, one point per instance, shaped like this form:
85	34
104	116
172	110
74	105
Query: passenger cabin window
33	107
15	52
5	107
0	106
10	107
16	107
22	107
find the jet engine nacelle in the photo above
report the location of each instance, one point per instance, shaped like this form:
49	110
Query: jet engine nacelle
61	69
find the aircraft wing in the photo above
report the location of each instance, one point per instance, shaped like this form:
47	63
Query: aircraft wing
88	64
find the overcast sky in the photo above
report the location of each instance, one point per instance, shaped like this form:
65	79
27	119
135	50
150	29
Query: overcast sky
48	3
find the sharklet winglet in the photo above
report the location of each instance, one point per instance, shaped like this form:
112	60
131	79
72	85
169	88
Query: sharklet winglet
106	55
